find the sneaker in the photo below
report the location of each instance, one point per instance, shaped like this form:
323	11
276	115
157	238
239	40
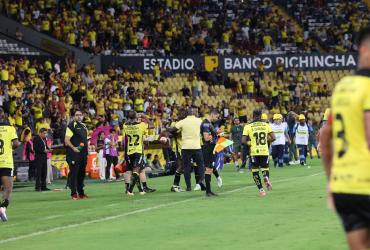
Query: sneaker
84	196
75	197
3	216
197	187
210	194
175	189
149	190
219	182
262	192
142	193
188	189
45	189
130	194
268	183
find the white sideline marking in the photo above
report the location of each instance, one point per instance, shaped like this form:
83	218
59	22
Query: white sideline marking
112	205
52	217
113	217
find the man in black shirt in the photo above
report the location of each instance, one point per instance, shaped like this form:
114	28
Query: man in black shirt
76	142
209	138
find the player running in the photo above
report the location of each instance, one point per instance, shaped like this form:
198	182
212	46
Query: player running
259	134
8	141
280	130
345	145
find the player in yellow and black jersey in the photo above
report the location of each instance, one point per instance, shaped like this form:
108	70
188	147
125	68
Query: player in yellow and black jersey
8	141
134	150
259	134
176	142
345	145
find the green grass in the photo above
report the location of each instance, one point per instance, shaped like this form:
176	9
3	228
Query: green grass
292	216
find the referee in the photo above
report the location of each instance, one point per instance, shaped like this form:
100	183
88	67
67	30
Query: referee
76	142
191	149
8	141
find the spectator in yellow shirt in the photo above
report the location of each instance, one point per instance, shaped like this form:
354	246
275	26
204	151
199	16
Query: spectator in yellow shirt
71	38
250	88
42	123
267	42
4	75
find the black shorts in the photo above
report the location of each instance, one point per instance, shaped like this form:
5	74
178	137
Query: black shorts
353	210
208	156
237	148
135	160
260	161
6	172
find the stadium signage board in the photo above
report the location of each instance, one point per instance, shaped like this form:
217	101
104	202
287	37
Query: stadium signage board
235	63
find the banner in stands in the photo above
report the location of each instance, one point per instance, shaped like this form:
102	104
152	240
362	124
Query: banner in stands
235	63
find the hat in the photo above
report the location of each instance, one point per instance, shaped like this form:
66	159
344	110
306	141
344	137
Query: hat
301	117
276	116
264	116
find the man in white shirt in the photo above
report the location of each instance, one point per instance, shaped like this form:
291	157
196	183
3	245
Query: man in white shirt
280	130
302	132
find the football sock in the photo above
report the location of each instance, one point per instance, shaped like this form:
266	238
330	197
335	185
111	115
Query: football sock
207	178
196	178
215	172
4	203
265	172
127	185
257	178
176	180
144	185
134	179
139	187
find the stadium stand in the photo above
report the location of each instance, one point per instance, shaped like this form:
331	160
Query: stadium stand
334	23
11	47
170	27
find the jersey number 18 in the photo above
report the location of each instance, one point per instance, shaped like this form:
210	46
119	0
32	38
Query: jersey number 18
260	138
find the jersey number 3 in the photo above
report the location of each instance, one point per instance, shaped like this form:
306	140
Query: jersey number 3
341	135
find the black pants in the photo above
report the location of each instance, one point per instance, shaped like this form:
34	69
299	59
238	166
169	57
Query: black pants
277	153
197	156
31	170
77	167
110	160
41	166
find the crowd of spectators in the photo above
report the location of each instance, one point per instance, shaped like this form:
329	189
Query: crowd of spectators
334	23
42	95
170	27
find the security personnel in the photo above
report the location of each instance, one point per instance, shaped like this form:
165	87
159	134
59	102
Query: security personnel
76	142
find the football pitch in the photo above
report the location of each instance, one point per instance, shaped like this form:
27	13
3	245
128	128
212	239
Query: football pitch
292	216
